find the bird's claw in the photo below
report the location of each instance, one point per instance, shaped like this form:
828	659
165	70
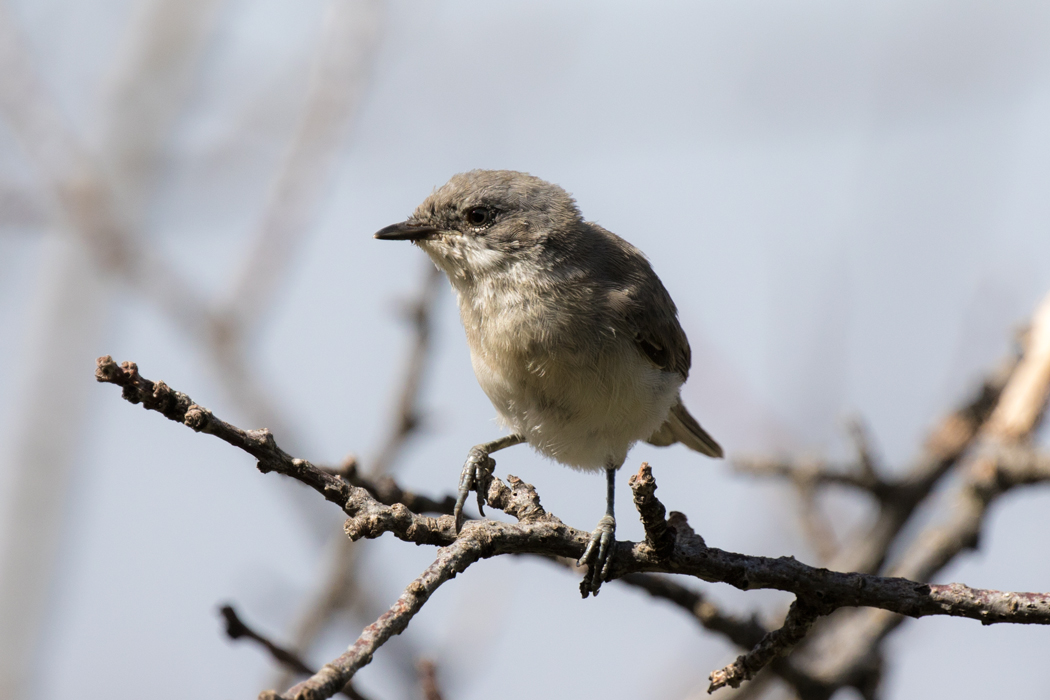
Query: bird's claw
598	556
476	476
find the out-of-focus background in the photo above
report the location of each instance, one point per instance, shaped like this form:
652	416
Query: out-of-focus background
850	204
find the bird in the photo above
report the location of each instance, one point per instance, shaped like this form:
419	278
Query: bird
572	335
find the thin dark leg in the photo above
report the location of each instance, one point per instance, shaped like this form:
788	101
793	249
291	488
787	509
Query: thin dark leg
598	555
478	470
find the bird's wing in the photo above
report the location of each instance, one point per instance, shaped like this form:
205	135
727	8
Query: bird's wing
649	317
641	305
664	343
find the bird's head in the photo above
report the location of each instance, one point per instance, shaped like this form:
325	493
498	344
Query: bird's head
484	221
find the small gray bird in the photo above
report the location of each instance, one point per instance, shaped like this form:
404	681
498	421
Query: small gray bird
572	335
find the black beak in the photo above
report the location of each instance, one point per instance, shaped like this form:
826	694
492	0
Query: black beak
406	231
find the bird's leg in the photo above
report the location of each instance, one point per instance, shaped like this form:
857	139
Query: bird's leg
477	472
598	555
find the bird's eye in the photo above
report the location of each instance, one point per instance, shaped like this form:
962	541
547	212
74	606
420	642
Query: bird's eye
479	217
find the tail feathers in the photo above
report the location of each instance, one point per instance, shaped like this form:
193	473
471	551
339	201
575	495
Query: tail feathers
682	427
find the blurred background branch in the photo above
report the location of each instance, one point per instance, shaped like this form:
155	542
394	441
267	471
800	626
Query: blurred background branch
846	650
102	195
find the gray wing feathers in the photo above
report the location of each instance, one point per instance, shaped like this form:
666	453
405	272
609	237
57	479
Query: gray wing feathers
663	342
641	307
682	427
639	303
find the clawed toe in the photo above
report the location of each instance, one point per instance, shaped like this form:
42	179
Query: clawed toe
598	556
476	476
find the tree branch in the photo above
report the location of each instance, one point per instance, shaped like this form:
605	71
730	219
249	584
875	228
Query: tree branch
387	491
538	532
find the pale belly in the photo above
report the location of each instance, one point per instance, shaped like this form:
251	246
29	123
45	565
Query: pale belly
584	413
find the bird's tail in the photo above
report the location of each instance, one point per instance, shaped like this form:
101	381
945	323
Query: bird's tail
682	427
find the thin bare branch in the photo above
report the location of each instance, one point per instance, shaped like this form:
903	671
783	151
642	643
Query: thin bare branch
814	472
945	447
898	498
799	620
335	674
866	462
657	533
237	629
387	491
815	523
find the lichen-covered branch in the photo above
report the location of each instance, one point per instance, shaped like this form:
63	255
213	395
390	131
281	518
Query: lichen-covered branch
652	513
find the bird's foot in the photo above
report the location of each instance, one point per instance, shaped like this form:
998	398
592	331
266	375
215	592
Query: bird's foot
476	476
598	556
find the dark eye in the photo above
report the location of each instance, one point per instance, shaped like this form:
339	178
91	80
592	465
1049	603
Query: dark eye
479	217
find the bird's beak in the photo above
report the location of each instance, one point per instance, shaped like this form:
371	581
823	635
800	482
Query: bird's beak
406	231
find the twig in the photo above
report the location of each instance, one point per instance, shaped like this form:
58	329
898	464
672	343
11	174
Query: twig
657	534
538	532
815	523
799	620
335	674
866	462
236	629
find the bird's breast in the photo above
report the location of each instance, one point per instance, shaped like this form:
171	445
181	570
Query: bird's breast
579	392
